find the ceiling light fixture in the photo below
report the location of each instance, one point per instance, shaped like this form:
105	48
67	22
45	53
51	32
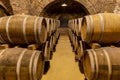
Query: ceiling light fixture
63	5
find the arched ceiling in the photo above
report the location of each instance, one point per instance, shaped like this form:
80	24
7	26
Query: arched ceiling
73	7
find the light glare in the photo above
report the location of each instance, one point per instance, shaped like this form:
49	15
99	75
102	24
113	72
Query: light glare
64	4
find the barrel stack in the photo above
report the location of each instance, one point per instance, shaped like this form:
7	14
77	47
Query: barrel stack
98	48
75	35
26	44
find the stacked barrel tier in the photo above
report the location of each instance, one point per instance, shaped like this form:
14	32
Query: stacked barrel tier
53	36
52	26
71	25
49	26
21	64
23	29
101	28
78	27
102	64
75	26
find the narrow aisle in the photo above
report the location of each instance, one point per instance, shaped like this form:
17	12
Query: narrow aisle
63	65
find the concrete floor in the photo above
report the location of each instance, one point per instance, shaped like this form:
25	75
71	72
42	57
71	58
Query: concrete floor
63	65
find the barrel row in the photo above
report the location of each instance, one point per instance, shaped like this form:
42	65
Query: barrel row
26	44
98	49
75	34
97	28
26	29
23	30
102	29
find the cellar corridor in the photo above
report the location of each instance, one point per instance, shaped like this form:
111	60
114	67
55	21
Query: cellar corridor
63	65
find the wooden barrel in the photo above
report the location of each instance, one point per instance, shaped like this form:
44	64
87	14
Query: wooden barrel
71	25
78	26
21	64
49	26
102	64
101	28
47	51
51	43
70	35
52	25
23	29
80	50
57	23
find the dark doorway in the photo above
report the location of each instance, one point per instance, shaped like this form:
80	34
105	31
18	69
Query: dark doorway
64	20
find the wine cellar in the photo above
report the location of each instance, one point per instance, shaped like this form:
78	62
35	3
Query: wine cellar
59	39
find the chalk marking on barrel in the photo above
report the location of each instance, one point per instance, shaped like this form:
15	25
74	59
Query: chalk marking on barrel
24	29
96	62
19	64
102	27
35	29
31	65
7	29
109	64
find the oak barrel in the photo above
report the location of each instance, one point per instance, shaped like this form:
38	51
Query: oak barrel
102	63
56	24
71	24
102	28
49	26
21	64
23	29
78	27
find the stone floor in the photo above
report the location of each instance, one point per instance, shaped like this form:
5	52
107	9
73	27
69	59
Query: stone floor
63	65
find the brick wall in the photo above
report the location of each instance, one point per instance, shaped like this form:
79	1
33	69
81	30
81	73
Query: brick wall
35	7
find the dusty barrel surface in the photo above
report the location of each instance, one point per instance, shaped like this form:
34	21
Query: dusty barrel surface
21	64
102	64
23	29
101	28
